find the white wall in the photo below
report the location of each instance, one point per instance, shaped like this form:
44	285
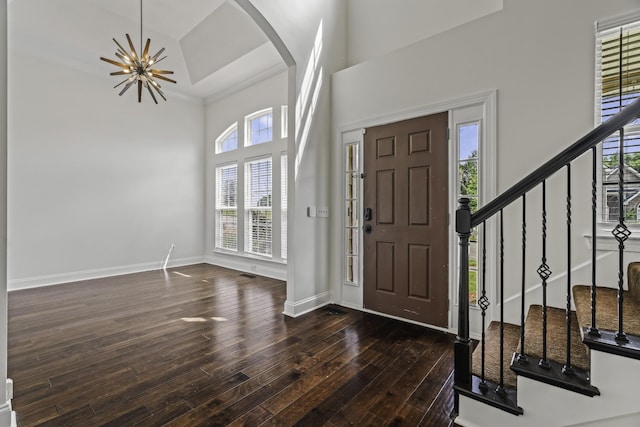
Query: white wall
314	33
540	58
98	184
269	93
377	27
5	400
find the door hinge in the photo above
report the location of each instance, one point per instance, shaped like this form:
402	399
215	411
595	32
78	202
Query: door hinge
448	134
364	131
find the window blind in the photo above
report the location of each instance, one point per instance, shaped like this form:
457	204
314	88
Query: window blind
258	194
283	205
227	207
618	85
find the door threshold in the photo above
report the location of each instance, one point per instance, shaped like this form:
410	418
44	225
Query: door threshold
402	319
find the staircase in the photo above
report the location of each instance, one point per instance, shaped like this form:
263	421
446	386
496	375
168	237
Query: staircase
574	362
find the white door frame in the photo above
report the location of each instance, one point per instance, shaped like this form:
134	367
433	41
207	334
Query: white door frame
350	295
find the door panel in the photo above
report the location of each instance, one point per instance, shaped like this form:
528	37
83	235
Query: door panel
406	241
385	196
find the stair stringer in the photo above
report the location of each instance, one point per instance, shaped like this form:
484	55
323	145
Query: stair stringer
544	405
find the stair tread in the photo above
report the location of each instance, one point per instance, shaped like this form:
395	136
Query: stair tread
607	309
492	354
556	337
556	344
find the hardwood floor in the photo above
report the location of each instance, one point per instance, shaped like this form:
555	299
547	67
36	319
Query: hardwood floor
207	346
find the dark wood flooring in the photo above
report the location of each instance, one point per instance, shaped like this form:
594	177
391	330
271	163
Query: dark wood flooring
207	346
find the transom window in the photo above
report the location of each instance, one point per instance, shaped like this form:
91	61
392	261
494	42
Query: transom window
228	141
259	127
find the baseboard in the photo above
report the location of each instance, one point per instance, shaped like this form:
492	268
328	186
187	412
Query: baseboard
56	279
298	308
7	416
273	270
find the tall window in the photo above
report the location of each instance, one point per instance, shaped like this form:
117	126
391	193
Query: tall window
250	213
227	207
618	85
352	195
228	141
468	140
258	214
259	127
283	205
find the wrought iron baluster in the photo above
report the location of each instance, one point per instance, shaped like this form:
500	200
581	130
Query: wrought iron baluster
500	390
544	272
483	302
522	358
621	233
593	330
567	369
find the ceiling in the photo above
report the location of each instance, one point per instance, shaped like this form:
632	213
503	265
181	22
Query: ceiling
213	46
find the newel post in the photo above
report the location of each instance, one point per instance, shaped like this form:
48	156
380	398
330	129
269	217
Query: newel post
462	346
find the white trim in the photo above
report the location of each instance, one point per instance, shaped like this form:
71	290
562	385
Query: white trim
617	21
488	100
225	135
237	87
97	273
606	242
7	416
479	98
261	267
295	309
247	126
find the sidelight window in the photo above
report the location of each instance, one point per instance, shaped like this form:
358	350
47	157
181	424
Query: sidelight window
468	136
352	191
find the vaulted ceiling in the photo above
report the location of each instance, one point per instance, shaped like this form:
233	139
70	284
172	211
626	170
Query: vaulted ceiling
213	46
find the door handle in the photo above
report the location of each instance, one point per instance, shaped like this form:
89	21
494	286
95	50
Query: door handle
368	214
366	228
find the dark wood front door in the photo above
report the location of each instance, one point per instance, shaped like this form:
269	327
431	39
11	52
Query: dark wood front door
405	219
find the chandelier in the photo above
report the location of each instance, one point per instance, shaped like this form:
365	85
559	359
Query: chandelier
138	67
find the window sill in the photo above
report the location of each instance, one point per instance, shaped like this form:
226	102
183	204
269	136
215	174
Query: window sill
605	241
245	255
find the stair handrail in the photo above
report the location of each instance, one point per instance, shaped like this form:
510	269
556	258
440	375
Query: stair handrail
581	146
466	221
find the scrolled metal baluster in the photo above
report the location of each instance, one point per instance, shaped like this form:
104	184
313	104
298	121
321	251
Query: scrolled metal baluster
544	272
500	390
567	369
593	330
621	233
522	358
483	302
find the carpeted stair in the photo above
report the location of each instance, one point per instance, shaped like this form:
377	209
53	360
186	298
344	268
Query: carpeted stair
606	319
556	344
607	304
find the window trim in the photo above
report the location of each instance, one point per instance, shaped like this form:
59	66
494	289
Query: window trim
218	208
247	126
604	29
224	136
248	209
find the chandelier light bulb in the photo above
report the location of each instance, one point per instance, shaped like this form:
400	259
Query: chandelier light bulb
138	69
